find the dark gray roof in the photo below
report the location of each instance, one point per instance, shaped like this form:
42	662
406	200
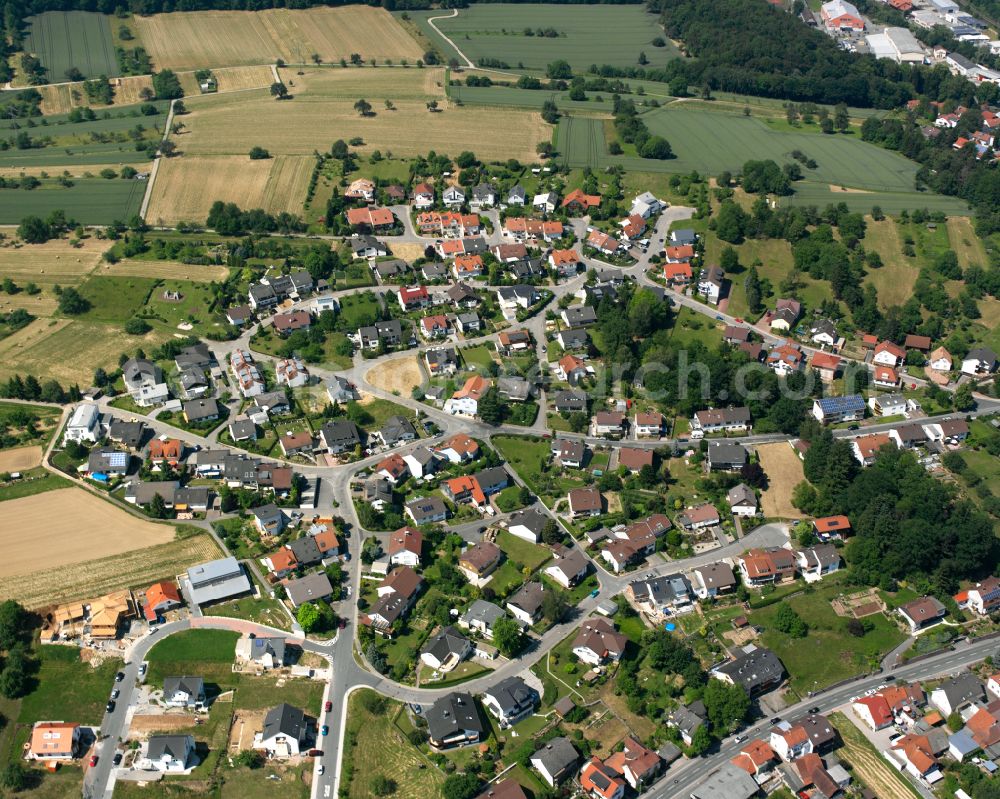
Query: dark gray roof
452	713
726	452
284	720
558	756
305	550
176	746
196	410
512	693
754	669
426	508
129	433
194	686
342	432
531	518
309	588
448	641
580	315
964	687
362	243
528	598
483	611
571	400
729	781
397	428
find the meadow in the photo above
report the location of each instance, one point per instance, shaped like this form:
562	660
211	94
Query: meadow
72	39
196	39
588	34
186	187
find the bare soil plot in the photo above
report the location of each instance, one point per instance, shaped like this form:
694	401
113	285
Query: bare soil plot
966	244
859	604
784	472
20	459
385	84
68	526
160	722
245	724
186	187
166	270
196	39
408	252
230	125
399	374
89	578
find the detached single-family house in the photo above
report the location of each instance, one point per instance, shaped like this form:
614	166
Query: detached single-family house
284	732
168	753
54	740
818	561
510	700
598	642
922	613
742	500
709	581
555	761
979	361
481	616
187	692
446	649
454	721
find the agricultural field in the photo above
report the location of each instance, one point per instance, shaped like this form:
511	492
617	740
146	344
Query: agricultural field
868	764
349	84
68	526
710	142
186	187
894	280
230	79
196	39
589	34
88	578
66	39
93	201
45	265
311	121
165	270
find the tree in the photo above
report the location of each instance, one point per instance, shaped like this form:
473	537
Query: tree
14	624
787	621
258	154
508	637
753	475
841	118
279	91
955	722
72	302
491	408
460	786
551	532
157	507
963	399
656	147
380	785
249	758
730	222
700	741
363	107
554	605
166	85
559	70
752	290
308	616
727	705
14	777
136	326
34	230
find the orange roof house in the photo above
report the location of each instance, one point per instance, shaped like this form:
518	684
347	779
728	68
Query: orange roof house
677	273
474	388
54	740
161	597
169	450
681	253
372	217
564	258
755	757
885	376
458	489
577	200
599	781
867	447
826	364
326	540
832	525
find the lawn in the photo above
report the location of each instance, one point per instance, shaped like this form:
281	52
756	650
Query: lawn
985	465
375	745
895	278
206	646
65	39
359	309
891	202
194	306
36	481
810	661
524	553
479	357
525	456
690	327
262	610
381	409
588	35
67	688
966	244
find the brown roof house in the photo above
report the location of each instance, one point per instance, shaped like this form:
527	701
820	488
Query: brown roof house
585	502
479	562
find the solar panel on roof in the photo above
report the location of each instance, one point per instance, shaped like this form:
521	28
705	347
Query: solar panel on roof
835	404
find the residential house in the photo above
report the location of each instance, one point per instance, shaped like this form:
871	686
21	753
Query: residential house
579	316
566	262
756	758
361	189
546	202
818	561
426	510
940	360
263	652
786	358
483	196
453	196
585	502
397	429
866	447
576	202
569	567
756	669
239	315
948	431
287	323
841	15
144	382
423	195
459	449
284	733
338	389
922	613
161	598
453	721
648	425
609	423
526	603
722	420
468	323
84	424
200	411
913	753
397	593
514	389
291	372
516	195
465	401
647	205
829	527
445	650
168	754
956	693
510	700
908	436
824	333
481	616
984	598
311	588
687	720
833	410
555	761
421	462
598	642
678	254
790	742
54	740
570	402
785	314
527	524
479	561
678	274
598	781
405	546
729	781
572	369
711	282
765	566
412	297
888	354
979	361
513	341
186	692
366	247
742	500
569	453
726	456
637	764
441	360
435	326
339	436
885	377
662	596
709	581
699	516
104	463
827	365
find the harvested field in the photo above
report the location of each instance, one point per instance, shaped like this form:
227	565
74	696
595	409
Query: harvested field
232	125
869	766
64	97
230	79
966	244
50	263
186	187
69	526
784	472
40	349
196	39
894	280
134	569
390	84
20	459
400	375
165	270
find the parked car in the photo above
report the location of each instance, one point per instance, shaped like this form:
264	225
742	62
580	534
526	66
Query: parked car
110	707
120	676
324	730
117	758
115	693
328	707
93	760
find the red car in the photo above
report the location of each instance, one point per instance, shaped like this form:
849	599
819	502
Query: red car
328	707
93	760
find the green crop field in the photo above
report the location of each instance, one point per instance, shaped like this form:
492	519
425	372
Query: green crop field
64	39
90	201
710	142
589	34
